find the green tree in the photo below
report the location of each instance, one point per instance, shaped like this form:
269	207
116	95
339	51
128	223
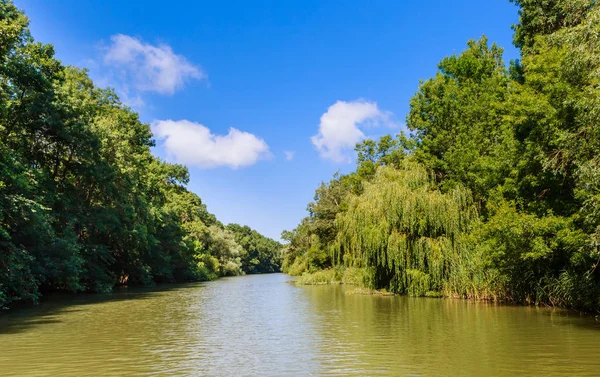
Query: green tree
458	120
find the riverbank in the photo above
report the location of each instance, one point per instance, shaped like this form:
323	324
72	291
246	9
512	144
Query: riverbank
121	290
356	277
352	276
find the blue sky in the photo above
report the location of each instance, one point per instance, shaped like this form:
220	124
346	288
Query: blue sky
298	81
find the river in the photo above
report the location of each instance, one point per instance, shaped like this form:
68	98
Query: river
263	325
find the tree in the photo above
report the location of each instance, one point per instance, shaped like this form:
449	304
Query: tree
84	205
458	120
543	17
403	231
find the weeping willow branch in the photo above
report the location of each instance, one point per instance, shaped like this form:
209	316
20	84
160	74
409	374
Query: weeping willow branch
404	231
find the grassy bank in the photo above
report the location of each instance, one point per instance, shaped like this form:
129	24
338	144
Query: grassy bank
350	276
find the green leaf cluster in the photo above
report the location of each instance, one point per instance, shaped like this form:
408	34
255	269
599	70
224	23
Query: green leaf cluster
84	205
495	193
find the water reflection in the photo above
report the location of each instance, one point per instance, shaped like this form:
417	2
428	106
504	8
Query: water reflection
378	335
262	325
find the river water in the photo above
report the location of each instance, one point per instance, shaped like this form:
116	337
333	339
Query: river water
263	325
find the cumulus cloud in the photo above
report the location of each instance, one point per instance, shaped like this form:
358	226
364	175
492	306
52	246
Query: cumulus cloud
150	68
289	155
193	144
340	127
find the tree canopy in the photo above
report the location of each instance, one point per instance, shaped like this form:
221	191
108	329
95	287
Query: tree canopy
495	193
84	205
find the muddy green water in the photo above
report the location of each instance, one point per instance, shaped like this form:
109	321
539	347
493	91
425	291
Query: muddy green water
265	326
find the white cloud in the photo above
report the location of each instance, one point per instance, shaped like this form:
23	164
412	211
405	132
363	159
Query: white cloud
134	101
340	127
289	155
150	68
193	144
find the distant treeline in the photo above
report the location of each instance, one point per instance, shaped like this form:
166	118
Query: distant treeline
495	192
84	205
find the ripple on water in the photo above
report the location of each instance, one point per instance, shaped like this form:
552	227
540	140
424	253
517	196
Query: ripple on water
263	325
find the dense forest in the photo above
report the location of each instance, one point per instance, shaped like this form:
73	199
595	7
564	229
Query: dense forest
494	191
84	205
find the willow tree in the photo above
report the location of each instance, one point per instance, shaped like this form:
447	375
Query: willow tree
404	231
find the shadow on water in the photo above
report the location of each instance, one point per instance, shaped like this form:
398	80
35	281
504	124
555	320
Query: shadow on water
578	319
563	316
28	316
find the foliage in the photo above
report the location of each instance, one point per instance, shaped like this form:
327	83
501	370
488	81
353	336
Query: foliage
260	254
458	120
496	192
403	230
545	17
319	277
84	205
308	247
336	275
